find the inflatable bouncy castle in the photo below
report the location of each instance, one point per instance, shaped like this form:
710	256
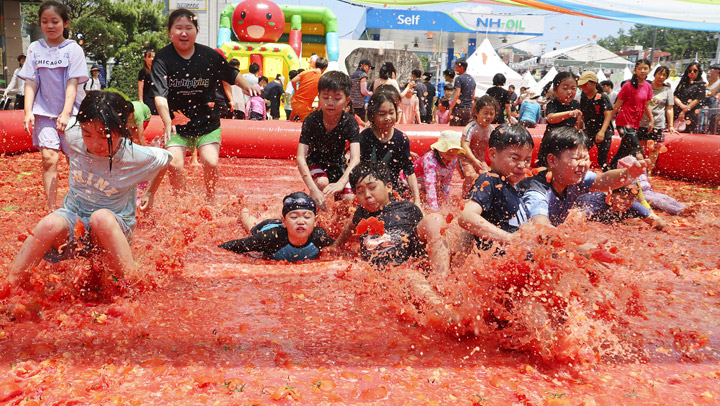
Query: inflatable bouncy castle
277	37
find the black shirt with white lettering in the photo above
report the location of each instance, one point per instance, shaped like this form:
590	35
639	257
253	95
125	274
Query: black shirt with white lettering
189	86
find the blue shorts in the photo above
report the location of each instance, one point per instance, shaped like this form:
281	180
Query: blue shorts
70	249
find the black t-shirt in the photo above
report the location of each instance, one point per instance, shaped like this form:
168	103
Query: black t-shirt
501	203
147	86
328	149
430	95
400	241
555	106
394	153
271	238
503	98
466	84
273	91
421	91
593	112
190	84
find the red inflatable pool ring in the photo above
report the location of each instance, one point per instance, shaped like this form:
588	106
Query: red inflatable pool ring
693	157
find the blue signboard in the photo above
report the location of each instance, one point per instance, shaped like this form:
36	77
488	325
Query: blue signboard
438	21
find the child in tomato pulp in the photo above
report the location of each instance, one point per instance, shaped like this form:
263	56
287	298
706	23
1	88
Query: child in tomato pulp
292	238
475	139
631	104
382	142
184	76
434	170
405	233
105	167
321	150
54	68
563	110
494	210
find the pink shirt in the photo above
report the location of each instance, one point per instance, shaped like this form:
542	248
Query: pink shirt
634	101
434	178
442	118
408	107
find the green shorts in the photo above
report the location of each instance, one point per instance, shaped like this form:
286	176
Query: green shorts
194	142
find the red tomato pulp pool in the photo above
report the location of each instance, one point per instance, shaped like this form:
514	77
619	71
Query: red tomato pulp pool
635	323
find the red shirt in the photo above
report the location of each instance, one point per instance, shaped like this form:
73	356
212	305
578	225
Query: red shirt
634	101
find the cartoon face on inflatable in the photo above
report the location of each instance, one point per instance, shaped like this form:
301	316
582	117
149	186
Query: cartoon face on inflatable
258	21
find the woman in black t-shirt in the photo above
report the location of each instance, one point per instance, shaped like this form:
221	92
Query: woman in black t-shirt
688	95
184	78
145	93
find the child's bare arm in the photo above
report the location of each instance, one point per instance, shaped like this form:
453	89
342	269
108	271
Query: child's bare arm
304	170
354	160
345	234
471	157
472	221
616	178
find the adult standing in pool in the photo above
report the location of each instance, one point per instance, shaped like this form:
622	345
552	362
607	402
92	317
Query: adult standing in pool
185	76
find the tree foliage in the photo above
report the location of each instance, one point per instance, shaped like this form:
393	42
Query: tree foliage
682	44
108	29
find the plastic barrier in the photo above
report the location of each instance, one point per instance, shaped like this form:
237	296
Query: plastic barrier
689	156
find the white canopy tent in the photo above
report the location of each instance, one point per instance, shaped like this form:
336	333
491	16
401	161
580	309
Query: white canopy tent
585	56
627	73
530	81
601	75
485	63
545	80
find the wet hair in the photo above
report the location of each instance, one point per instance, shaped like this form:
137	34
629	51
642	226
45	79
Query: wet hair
21	56
634	80
321	63
335	80
386	70
254	68
448	87
180	13
377	170
301	70
146	67
499	79
685	79
417	73
376	100
450	73
59	9
234	63
461	62
663	68
546	89
607	83
561	77
445	103
263	79
111	109
508	135
292	74
559	139
483	101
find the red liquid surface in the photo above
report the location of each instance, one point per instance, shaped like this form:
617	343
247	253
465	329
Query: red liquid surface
205	326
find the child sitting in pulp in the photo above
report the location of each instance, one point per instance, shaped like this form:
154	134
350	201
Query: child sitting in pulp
475	139
620	205
100	199
495	209
292	238
404	232
434	170
382	142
